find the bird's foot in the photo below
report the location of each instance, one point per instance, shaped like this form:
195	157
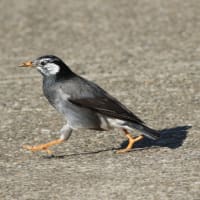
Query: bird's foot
43	147
130	144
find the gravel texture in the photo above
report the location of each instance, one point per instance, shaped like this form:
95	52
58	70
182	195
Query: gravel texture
145	53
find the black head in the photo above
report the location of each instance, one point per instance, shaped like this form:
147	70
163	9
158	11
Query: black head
50	65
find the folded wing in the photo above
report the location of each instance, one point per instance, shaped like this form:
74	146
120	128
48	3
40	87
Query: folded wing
107	106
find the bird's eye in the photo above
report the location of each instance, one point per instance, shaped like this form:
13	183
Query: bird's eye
42	62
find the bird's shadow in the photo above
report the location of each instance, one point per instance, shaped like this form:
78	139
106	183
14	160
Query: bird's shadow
170	137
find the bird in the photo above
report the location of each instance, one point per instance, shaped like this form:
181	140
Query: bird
84	105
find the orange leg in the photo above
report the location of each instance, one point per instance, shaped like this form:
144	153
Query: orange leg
131	142
43	147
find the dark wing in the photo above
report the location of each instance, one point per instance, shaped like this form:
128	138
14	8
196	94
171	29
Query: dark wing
89	95
108	106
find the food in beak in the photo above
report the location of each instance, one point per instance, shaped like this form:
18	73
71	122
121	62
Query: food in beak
27	64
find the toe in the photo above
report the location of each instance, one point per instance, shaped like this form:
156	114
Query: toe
122	151
28	147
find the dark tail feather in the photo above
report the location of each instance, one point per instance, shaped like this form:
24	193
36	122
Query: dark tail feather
150	133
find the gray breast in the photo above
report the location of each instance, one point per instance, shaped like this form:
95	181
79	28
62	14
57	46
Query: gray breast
77	117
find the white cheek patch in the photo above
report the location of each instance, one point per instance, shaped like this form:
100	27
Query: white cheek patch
51	68
40	69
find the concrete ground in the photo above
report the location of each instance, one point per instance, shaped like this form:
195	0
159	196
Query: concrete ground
145	53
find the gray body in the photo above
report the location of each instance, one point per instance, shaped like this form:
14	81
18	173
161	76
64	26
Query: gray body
61	92
58	94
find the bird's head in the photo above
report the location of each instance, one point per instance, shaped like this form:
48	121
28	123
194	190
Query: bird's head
48	65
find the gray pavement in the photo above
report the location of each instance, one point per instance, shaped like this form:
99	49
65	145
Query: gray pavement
145	53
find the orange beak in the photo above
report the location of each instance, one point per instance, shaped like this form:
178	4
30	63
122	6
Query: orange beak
27	64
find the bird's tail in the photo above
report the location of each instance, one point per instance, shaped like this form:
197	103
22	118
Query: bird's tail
148	132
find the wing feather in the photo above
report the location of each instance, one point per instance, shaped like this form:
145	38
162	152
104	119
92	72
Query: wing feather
89	95
109	107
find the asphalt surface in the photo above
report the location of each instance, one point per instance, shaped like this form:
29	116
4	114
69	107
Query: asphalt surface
145	53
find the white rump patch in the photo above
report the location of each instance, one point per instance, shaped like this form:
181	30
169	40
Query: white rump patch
110	123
